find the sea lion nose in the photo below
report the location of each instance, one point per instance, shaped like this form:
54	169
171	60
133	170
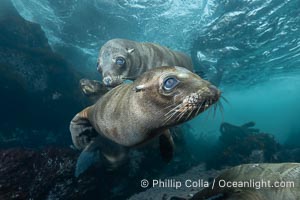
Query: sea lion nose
215	90
107	80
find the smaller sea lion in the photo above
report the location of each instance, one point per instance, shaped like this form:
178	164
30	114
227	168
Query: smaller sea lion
132	114
121	59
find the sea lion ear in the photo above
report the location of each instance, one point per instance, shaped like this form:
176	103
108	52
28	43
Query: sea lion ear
139	88
130	50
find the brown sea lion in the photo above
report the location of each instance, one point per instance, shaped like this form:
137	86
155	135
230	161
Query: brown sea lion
121	59
256	182
132	114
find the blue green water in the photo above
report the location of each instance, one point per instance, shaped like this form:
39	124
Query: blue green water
256	43
249	48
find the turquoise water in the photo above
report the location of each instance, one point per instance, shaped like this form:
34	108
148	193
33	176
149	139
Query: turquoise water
256	44
249	48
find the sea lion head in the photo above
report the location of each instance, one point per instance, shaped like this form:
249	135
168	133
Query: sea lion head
114	61
175	94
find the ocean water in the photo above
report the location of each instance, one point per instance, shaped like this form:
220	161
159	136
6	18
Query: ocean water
249	48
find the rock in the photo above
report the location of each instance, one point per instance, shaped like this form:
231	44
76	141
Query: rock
168	192
288	155
262	180
243	144
39	89
48	173
43	174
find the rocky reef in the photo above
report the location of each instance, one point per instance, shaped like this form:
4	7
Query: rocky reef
243	144
39	88
168	191
42	174
48	173
237	146
255	181
39	96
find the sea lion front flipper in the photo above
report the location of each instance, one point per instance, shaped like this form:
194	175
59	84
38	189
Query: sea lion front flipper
81	129
88	157
92	89
166	145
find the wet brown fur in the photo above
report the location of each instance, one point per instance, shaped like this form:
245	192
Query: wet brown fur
144	57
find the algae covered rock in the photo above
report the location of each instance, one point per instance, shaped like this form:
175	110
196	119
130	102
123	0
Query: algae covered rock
244	144
39	89
256	182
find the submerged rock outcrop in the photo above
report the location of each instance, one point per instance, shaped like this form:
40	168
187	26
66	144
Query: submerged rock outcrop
42	174
39	89
243	144
255	182
197	176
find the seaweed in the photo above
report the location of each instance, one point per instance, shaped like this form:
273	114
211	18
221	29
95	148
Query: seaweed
243	144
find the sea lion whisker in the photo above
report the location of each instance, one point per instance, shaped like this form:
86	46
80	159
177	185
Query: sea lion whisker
221	110
206	103
169	112
189	115
174	107
225	100
171	115
199	108
215	109
221	106
169	106
181	115
209	111
172	110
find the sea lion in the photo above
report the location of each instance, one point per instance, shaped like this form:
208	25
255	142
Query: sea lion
249	180
132	114
121	59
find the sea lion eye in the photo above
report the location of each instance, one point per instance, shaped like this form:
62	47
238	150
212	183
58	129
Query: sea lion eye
170	83
120	61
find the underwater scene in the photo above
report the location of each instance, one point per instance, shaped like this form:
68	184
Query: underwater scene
150	100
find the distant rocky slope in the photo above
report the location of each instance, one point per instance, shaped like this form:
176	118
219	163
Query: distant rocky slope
39	89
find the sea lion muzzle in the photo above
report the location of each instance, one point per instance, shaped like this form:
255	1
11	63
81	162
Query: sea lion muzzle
192	105
107	80
112	81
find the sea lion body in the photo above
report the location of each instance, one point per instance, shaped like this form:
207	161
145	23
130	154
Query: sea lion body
121	59
132	114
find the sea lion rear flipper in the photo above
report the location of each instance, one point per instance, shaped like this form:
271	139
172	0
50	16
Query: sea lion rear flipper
88	157
101	150
166	145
